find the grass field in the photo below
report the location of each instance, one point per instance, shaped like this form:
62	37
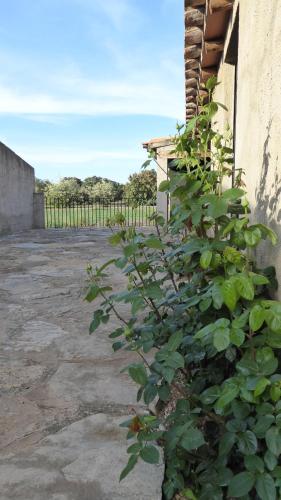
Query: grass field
96	215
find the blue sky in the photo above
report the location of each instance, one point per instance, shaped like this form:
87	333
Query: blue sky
84	82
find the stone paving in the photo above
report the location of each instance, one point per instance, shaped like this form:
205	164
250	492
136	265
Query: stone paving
62	394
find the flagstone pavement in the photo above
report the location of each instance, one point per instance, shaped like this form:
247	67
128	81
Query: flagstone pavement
62	396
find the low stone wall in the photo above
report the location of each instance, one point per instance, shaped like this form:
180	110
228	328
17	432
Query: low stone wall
19	210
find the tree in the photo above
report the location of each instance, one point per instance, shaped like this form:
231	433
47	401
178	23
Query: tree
74	179
142	187
102	190
42	185
89	182
66	190
96	187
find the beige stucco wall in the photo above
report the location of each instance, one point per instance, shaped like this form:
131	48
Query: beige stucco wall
258	119
225	95
163	149
20	207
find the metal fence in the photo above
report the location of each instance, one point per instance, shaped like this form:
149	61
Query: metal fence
62	213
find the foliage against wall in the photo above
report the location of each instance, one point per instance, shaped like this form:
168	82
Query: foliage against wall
207	333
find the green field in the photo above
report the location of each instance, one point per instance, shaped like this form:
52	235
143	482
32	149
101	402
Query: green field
96	215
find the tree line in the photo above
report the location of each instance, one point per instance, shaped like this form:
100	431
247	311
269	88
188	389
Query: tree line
140	188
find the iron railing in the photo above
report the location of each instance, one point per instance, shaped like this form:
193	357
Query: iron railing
65	213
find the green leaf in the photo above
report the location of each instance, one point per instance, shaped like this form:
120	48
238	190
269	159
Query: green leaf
117	333
138	373
230	391
233	194
226	443
257	318
115	238
270	460
241	320
175	360
154	243
265	487
247	443
153	291
205	304
175	341
164	186
244	287
237	336
168	374
267	232
210	395
92	293
266	360
252	237
116	346
217	296
211	83
192	439
137	305
164	392
150	454
134	448
205	331
221	339
259	279
129	467
241	484
205	259
254	463
273	440
150	393
262	425
217	207
96	320
275	393
188	494
277	472
229	295
261	386
130	249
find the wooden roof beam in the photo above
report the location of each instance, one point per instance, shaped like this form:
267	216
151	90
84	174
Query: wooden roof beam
214	45
219	5
195	3
206	73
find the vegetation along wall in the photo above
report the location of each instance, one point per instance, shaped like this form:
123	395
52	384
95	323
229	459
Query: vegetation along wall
251	88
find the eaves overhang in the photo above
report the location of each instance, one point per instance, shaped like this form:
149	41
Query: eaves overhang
206	23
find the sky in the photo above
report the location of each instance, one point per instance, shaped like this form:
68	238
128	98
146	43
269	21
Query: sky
84	83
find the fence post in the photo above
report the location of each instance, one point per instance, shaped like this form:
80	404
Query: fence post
38	211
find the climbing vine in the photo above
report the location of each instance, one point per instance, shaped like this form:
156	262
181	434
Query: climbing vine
207	333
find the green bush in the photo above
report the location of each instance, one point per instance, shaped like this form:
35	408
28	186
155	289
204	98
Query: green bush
201	311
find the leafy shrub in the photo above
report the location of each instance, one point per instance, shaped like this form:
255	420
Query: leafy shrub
201	310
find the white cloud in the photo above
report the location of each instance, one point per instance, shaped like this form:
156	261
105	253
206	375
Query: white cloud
128	81
91	98
120	13
71	156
